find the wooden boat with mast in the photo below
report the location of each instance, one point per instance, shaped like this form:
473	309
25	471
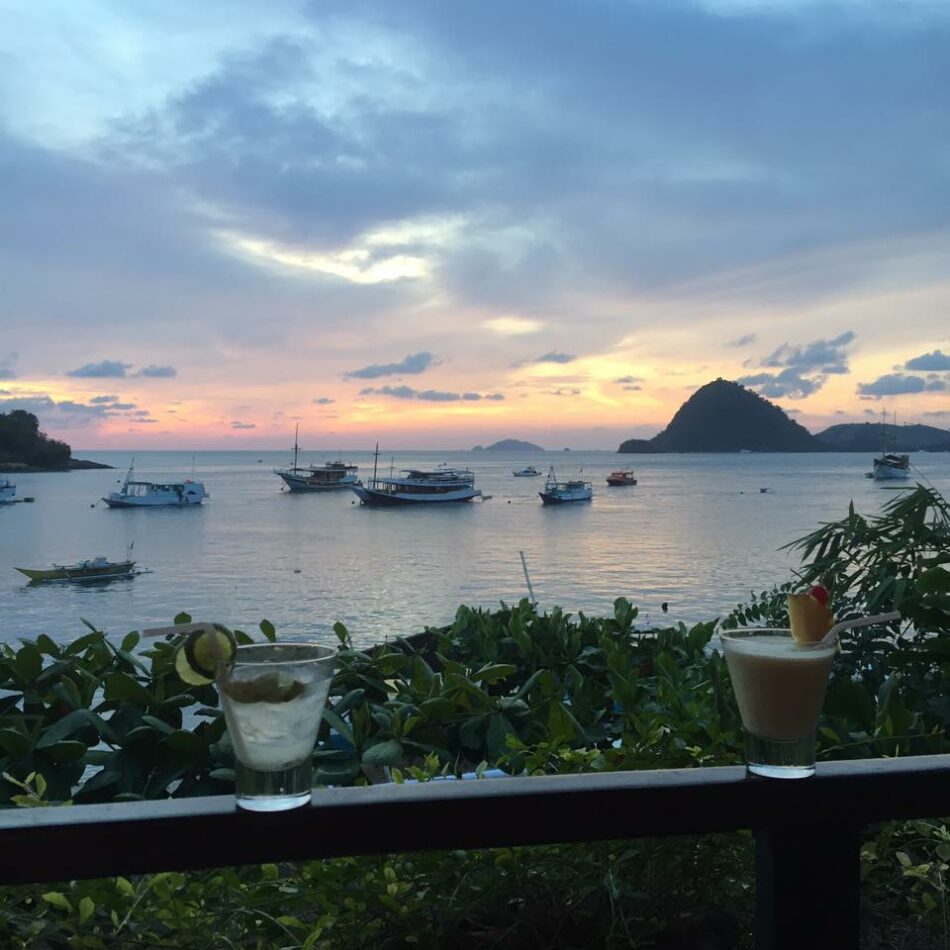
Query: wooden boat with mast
414	486
324	477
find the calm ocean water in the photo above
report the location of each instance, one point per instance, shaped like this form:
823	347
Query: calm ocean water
695	532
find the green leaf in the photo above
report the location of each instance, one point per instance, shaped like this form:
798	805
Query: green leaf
934	581
383	753
124	887
182	618
70	724
86	909
130	641
120	687
56	899
267	628
66	751
186	743
852	702
29	663
14	742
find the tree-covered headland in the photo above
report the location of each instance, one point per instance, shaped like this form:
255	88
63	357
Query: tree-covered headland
23	445
104	719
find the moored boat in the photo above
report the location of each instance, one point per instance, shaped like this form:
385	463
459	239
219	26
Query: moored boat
413	486
623	476
136	494
330	475
529	471
93	569
890	465
7	491
558	493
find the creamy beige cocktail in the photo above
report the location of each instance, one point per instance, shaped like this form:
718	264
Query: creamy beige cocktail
780	688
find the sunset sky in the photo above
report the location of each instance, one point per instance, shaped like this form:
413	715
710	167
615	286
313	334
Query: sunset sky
436	224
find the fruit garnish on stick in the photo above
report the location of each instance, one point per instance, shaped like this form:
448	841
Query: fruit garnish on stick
204	653
809	615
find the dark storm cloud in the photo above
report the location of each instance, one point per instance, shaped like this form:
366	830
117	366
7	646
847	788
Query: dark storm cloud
158	372
896	384
411	365
107	369
744	340
936	361
428	395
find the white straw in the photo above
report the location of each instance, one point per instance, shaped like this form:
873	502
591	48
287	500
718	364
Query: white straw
859	622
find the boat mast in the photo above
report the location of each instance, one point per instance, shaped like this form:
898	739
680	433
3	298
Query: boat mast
296	447
375	462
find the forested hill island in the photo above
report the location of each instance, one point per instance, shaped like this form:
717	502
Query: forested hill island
509	445
723	416
23	448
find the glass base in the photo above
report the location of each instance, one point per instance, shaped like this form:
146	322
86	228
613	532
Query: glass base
780	758
273	791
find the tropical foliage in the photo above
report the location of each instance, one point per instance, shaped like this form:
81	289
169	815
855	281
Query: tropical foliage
513	689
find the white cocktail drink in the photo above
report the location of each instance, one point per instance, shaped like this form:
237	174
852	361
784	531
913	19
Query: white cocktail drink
273	698
780	688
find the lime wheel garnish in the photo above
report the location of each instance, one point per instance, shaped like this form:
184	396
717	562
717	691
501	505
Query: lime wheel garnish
202	654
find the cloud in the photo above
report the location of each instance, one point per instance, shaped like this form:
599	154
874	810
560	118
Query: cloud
6	366
633	389
412	365
896	384
938	412
428	395
513	326
825	357
788	383
96	400
104	370
936	361
158	372
555	357
628	379
323	401
237	424
804	369
744	340
563	392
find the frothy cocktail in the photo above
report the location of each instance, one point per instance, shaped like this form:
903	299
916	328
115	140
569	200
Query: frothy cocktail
780	688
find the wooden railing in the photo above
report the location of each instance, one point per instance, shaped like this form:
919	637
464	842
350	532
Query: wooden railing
808	832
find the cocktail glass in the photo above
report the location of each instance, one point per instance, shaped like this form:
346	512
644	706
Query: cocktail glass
780	688
273	696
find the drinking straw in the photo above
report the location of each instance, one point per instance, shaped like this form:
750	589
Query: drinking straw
858	622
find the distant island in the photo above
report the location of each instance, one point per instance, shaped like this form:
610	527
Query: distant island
23	448
723	416
509	445
872	436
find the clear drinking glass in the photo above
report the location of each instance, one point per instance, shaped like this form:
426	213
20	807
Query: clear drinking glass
273	696
780	689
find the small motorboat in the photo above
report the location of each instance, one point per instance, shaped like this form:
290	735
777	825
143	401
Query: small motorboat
529	471
94	569
623	476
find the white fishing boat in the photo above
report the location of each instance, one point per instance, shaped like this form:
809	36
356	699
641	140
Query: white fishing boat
529	471
414	486
324	477
558	493
7	492
138	494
